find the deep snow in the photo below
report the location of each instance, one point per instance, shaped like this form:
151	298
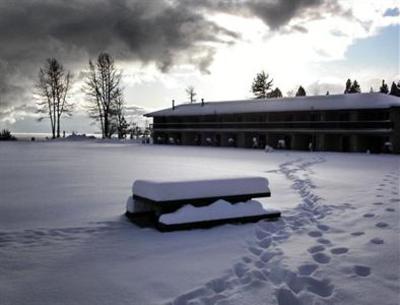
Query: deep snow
167	190
64	239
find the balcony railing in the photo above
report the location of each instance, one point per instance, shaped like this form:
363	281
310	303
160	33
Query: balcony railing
278	125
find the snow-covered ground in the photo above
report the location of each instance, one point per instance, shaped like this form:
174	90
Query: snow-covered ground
64	239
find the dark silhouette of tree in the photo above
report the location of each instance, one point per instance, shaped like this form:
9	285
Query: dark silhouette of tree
384	88
348	86
104	92
352	87
52	92
355	87
191	93
301	92
120	123
395	89
261	85
275	93
5	135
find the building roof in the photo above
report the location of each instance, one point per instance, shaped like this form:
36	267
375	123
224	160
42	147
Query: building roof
301	103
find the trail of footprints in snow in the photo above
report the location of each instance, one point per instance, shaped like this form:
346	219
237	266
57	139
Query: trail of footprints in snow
389	186
262	264
48	237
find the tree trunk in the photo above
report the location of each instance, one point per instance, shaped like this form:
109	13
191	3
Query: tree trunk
58	126
106	125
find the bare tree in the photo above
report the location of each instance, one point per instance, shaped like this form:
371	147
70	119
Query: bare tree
104	91
52	93
120	123
191	94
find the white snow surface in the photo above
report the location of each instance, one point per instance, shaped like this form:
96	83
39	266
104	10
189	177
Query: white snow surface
300	103
202	188
220	209
64	238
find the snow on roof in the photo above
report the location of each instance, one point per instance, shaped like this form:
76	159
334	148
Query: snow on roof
301	103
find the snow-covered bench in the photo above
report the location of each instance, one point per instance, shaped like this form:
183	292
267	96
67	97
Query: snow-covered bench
174	205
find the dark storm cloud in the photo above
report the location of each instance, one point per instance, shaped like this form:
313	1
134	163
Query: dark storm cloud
74	31
164	32
274	13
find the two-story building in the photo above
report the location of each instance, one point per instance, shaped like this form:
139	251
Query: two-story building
347	122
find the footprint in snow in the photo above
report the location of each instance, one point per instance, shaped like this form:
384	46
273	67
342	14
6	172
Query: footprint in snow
266	257
285	297
315	234
358	233
254	250
377	241
261	234
390	210
395	200
307	269
323	227
362	270
247	259
217	285
321	258
294	282
339	250
259	264
322	288
315	249
323	241
265	243
369	215
382	225
379	196
378	203
240	269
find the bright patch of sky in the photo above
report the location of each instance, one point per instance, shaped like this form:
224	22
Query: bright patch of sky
319	54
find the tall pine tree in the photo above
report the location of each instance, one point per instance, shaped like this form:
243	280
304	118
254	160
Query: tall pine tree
395	89
301	92
384	88
348	86
355	87
275	93
261	85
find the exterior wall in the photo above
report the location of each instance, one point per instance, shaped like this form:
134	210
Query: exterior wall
348	131
395	137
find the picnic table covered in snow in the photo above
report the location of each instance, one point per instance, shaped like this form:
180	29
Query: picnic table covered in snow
172	204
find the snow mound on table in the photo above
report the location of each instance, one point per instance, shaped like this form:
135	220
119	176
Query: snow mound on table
220	209
178	190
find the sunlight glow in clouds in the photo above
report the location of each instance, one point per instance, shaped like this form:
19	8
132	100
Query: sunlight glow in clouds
311	49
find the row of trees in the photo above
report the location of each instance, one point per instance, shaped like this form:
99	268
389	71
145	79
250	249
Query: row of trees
105	95
102	88
262	88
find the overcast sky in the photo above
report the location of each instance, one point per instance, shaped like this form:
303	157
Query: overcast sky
217	46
